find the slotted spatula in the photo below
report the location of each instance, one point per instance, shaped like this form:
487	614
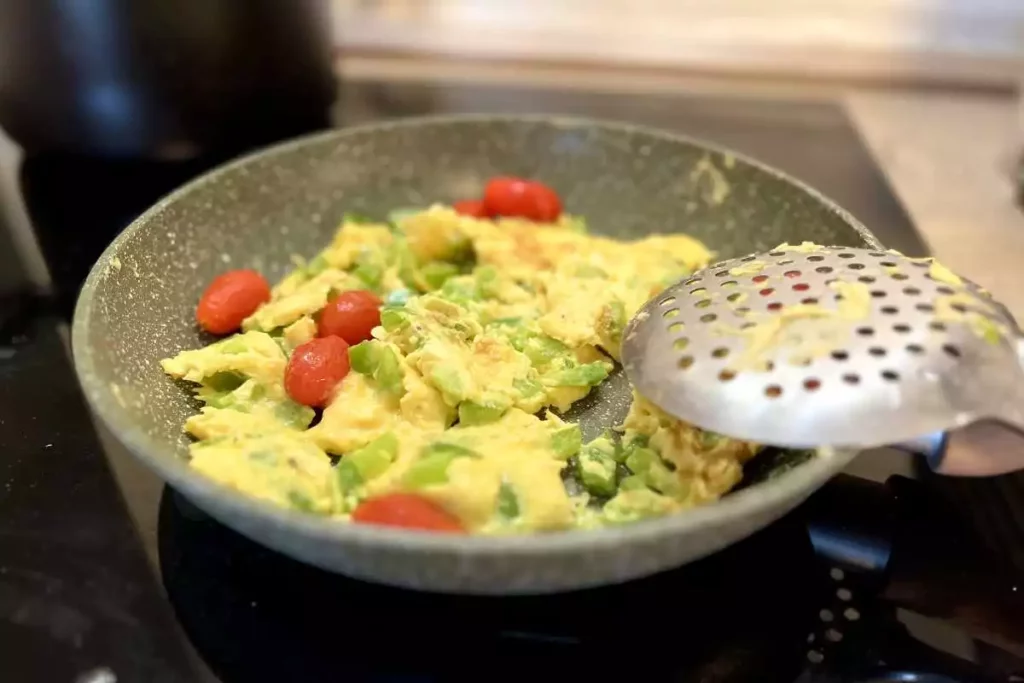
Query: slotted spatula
809	346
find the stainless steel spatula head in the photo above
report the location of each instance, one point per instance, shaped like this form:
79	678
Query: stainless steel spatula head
826	346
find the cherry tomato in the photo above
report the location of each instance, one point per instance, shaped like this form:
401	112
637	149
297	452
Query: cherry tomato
351	316
315	369
231	298
522	198
405	510
471	207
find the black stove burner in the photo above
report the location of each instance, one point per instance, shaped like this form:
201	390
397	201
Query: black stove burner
800	596
741	615
79	603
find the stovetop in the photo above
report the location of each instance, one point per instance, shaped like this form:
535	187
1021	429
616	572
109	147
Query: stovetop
887	573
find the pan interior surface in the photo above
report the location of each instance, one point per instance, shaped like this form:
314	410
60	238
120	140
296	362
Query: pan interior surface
137	305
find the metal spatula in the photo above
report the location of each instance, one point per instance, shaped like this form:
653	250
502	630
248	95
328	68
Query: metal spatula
813	346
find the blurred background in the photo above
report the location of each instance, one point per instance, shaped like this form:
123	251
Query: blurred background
108	98
974	43
906	112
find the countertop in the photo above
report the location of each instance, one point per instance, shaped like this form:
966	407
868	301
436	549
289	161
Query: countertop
951	161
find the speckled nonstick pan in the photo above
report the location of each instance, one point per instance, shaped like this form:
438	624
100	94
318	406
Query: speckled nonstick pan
137	307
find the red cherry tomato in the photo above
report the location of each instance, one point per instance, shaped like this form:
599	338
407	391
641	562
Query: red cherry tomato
231	298
547	206
405	510
471	207
522	198
351	316
315	369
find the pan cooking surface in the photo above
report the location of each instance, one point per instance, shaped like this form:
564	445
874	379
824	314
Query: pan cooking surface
137	308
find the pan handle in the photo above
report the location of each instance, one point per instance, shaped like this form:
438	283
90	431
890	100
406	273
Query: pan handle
981	449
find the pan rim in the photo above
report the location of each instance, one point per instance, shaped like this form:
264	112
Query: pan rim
795	484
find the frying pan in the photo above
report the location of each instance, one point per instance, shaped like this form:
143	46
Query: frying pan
137	306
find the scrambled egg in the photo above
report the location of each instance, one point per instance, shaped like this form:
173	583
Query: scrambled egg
489	330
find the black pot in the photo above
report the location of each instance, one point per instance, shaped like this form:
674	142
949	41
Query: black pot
162	78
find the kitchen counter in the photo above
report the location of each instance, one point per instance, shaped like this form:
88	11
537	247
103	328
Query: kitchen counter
951	162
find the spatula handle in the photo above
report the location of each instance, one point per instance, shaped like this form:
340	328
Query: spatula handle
981	449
